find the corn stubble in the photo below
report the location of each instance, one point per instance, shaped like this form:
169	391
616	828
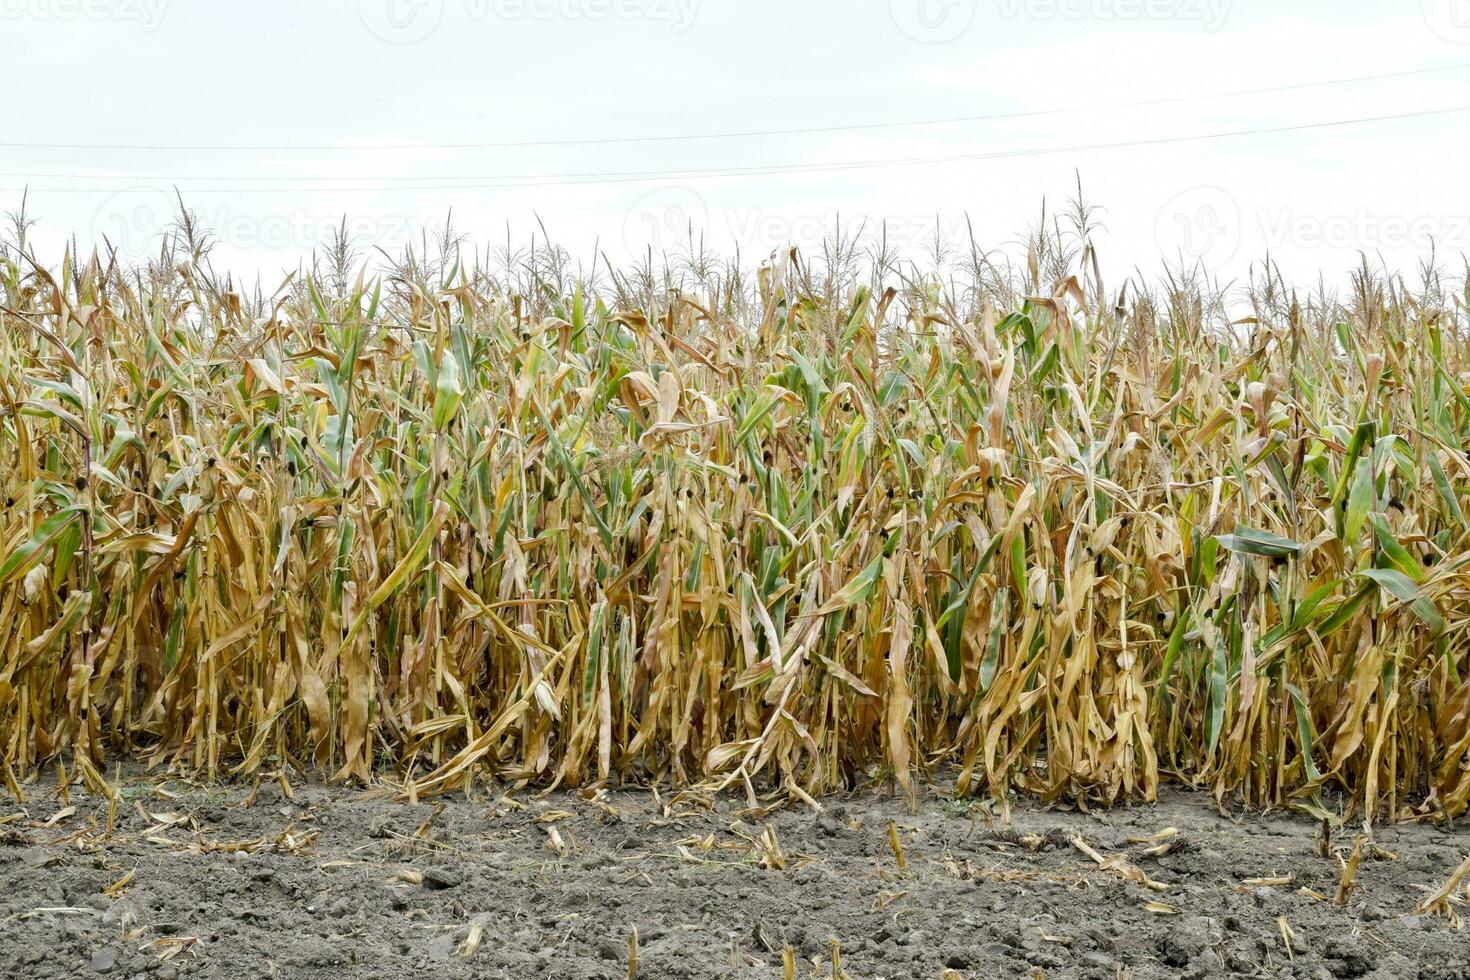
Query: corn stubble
801	528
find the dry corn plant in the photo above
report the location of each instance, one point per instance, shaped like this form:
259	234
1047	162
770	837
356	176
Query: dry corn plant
778	530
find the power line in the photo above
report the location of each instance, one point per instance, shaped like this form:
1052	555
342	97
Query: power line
739	134
633	176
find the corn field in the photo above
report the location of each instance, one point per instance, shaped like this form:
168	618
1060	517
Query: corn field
791	529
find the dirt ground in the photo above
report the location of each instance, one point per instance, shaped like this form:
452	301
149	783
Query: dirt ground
196	881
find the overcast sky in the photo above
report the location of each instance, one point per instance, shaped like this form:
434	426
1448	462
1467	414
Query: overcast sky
276	117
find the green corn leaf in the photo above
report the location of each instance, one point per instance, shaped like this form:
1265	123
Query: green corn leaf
23	558
1263	544
1403	588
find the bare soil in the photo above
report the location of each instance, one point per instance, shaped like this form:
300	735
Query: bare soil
200	881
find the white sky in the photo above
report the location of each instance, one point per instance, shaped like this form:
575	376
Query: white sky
269	74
